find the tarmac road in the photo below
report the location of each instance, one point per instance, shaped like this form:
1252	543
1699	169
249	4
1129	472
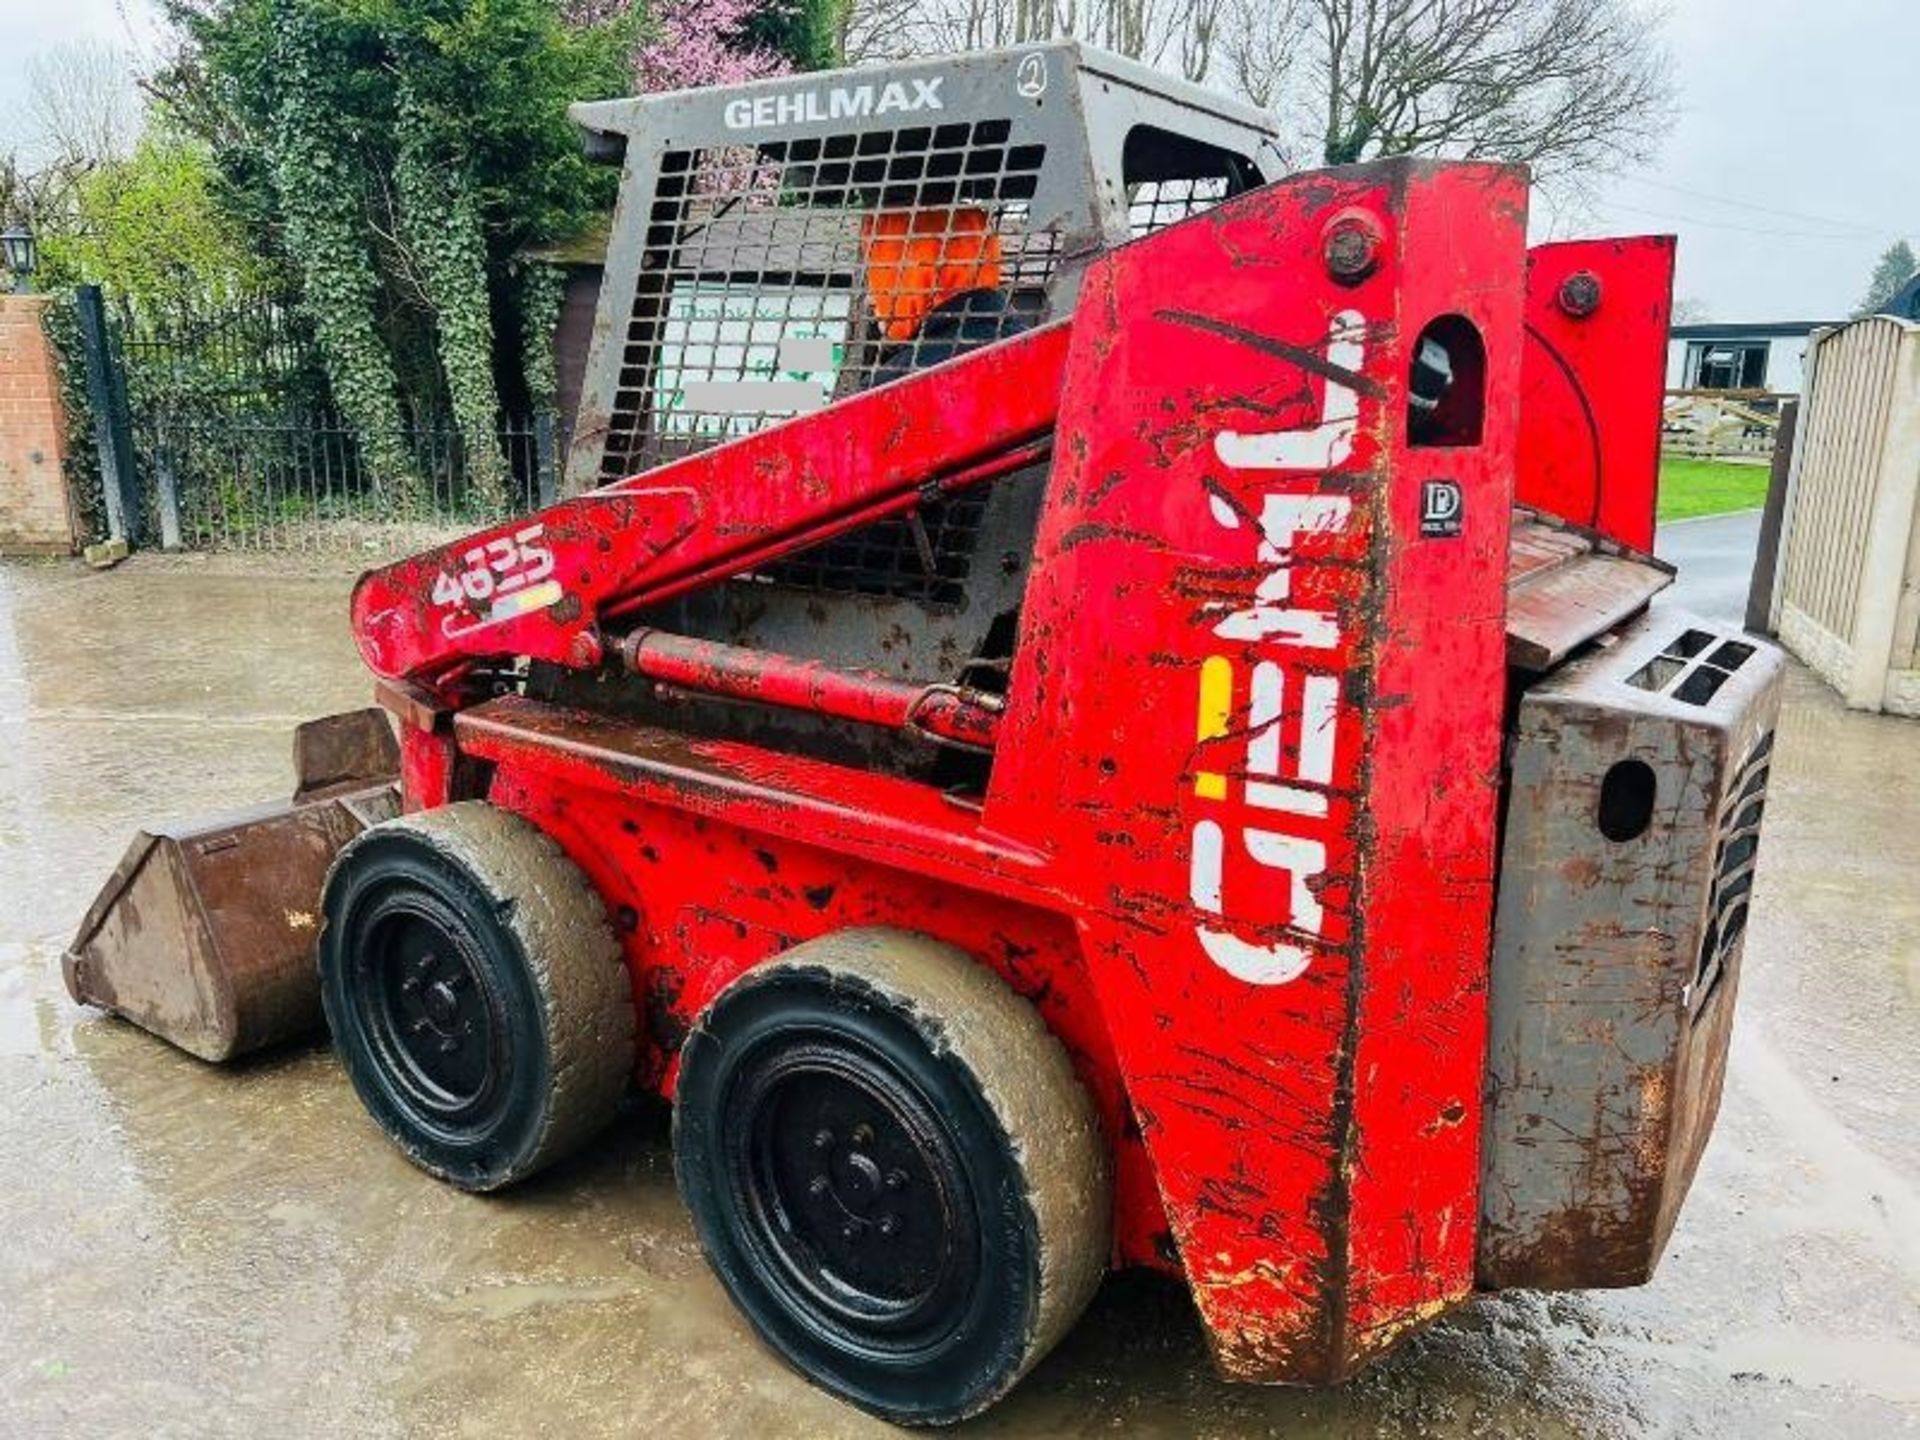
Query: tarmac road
1715	556
192	1251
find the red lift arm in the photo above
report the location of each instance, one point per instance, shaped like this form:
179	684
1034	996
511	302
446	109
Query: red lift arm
540	587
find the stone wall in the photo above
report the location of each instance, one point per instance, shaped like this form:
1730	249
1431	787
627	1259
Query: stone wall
36	516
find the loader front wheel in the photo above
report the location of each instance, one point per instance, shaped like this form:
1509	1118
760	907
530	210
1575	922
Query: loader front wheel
894	1171
476	994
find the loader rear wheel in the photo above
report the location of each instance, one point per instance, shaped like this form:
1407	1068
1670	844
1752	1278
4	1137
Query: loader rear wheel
476	994
894	1171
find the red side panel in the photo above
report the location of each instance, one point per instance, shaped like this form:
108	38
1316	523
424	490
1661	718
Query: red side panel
1255	716
1593	381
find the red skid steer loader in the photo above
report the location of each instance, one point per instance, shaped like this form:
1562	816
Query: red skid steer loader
1093	704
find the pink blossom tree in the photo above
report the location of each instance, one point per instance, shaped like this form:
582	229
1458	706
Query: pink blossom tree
699	42
689	43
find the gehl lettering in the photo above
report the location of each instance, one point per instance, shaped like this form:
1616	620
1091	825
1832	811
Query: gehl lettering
1277	813
842	102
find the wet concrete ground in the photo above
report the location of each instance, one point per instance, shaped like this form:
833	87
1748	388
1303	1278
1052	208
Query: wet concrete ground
191	1251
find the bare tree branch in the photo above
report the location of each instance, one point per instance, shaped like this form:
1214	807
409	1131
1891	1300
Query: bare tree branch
1570	87
82	104
1574	88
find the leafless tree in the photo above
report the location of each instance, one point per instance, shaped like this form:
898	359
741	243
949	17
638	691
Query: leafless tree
38	195
1570	87
1574	88
1261	40
1178	35
82	103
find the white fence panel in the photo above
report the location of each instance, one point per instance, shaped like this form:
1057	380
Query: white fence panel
1848	597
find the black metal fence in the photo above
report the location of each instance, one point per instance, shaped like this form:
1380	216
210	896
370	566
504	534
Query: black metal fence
214	432
303	483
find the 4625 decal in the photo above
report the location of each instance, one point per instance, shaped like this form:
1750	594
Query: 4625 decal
500	579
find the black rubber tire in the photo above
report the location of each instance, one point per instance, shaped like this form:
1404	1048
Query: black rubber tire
1004	1202
476	993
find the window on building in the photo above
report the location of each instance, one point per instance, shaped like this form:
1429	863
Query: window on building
1727	365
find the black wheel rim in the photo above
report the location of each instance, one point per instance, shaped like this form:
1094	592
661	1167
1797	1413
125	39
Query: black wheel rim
852	1196
429	1010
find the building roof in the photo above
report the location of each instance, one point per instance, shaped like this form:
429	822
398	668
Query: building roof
1754	330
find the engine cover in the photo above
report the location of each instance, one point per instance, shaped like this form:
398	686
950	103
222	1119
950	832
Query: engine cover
1638	777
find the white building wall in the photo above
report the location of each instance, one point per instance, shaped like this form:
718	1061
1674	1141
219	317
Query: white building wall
1786	362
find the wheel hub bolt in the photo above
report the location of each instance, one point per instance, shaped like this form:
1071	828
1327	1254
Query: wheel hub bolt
850	1230
819	1185
823	1139
889	1225
896	1180
862	1135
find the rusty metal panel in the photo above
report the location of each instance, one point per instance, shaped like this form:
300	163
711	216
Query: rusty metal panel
1639	779
1566	585
205	932
336	754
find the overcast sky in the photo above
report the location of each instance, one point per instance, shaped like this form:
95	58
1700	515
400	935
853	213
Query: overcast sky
1794	159
1792	164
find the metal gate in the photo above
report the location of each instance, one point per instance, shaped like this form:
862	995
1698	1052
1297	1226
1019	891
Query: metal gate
214	431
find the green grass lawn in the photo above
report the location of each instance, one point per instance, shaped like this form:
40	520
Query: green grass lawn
1709	487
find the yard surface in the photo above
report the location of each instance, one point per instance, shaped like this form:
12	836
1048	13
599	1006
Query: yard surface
208	1252
1692	488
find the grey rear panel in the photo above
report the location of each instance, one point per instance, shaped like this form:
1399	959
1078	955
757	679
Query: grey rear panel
1639	774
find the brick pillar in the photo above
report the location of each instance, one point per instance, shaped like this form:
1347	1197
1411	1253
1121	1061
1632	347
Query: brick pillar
36	514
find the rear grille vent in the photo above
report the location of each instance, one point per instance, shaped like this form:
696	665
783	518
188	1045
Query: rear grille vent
1693	668
1736	845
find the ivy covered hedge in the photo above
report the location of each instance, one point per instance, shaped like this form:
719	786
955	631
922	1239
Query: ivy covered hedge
61	322
389	161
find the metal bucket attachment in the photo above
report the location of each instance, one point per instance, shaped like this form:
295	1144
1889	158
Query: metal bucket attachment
204	934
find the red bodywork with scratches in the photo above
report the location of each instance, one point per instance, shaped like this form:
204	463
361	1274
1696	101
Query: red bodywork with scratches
1238	841
1589	384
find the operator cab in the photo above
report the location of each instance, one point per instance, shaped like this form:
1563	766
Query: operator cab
783	244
